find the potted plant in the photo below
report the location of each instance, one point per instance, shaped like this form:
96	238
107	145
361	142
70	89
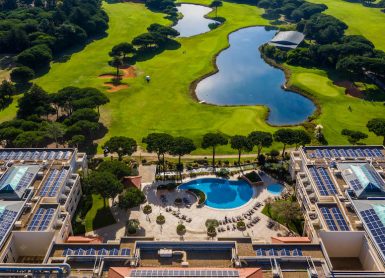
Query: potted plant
241	225
211	231
160	219
181	229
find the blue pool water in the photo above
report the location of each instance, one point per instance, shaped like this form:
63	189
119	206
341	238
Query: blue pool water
244	78
275	188
221	193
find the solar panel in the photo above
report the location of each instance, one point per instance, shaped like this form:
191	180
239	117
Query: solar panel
114	252
375	227
297	252
355	184
272	252
342	152
326	153
351	153
260	252
377	152
318	181
328	181
183	273
125	252
359	152
102	252
79	252
7	218
90	252
41	219
328	219
67	252
340	219
285	252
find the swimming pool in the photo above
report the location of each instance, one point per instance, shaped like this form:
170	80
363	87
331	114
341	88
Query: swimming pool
221	193
275	188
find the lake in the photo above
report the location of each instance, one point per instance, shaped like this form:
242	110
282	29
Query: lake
193	21
244	78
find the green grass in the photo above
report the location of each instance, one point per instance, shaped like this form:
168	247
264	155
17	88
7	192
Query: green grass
165	104
295	227
366	21
98	216
335	114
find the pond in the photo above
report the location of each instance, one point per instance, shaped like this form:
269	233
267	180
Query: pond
193	21
244	78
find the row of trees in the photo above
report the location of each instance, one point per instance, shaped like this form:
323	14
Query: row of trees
163	143
293	10
37	30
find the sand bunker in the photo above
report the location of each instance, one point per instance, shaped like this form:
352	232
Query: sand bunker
115	87
350	88
129	72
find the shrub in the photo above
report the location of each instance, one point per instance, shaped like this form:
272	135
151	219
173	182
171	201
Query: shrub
181	229
132	226
147	209
212	222
241	225
133	197
200	194
211	231
160	219
22	74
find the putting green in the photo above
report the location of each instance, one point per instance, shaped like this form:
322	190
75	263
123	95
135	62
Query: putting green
165	104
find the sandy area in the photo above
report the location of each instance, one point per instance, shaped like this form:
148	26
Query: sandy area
129	72
114	88
350	88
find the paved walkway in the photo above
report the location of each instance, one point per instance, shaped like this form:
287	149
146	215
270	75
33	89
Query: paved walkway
196	229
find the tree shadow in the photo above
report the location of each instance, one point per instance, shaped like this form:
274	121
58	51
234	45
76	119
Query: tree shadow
145	54
65	55
103	218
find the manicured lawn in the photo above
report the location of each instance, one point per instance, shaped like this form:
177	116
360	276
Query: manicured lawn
166	105
98	216
369	22
335	113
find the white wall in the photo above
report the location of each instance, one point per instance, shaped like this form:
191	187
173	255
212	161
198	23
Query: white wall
342	244
32	243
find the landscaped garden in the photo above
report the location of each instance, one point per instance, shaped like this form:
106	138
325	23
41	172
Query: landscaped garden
166	104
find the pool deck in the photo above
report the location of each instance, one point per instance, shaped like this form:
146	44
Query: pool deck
196	229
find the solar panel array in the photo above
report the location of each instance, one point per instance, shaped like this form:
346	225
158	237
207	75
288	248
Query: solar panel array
183	273
334	219
323	181
355	184
41	219
24	181
94	252
351	153
36	155
278	252
376	227
7	217
53	182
